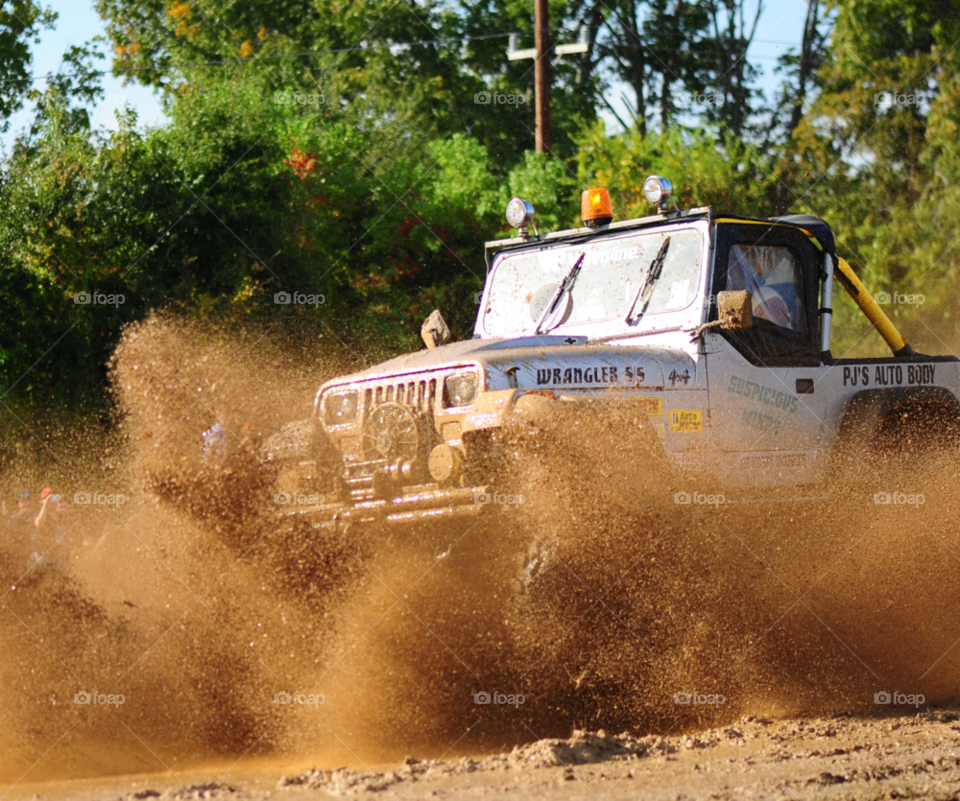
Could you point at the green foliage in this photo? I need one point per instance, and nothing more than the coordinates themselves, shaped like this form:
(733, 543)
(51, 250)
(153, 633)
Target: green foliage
(20, 23)
(371, 177)
(546, 184)
(237, 199)
(399, 64)
(874, 156)
(706, 170)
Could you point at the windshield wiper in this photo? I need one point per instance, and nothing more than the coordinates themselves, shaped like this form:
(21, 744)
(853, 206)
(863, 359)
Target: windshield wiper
(645, 292)
(566, 286)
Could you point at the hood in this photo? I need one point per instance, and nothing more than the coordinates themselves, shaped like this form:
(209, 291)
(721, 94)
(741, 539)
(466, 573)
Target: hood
(546, 362)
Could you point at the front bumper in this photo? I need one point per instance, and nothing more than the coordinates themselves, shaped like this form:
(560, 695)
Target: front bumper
(415, 504)
(378, 491)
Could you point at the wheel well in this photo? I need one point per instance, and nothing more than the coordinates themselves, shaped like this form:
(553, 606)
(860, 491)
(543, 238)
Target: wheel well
(887, 420)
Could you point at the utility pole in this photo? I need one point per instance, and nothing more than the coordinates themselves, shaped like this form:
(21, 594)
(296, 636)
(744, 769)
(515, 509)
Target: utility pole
(542, 75)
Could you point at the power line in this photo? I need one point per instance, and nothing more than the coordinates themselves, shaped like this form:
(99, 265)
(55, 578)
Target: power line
(355, 49)
(228, 61)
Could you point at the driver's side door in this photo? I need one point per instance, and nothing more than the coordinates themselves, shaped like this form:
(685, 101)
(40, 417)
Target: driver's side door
(765, 402)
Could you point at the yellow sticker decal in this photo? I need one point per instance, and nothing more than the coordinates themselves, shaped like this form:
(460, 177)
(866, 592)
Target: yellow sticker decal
(661, 429)
(686, 422)
(653, 407)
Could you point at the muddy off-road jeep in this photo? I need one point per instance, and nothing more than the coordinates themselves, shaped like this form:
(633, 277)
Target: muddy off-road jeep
(716, 329)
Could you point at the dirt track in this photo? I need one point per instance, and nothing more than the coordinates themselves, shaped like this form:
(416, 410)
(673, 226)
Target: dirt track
(836, 757)
(893, 756)
(191, 601)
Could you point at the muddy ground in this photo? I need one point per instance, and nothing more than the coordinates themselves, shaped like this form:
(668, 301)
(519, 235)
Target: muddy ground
(189, 641)
(840, 757)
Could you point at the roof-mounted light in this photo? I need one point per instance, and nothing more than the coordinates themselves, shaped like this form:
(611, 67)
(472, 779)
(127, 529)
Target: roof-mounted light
(595, 208)
(520, 215)
(658, 191)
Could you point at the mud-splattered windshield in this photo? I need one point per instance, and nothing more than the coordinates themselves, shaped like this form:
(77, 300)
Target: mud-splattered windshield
(523, 284)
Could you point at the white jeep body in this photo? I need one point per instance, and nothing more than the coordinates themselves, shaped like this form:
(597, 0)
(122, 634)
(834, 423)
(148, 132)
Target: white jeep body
(765, 407)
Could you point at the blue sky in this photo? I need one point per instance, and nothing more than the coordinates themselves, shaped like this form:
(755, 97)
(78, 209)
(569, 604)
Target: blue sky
(780, 28)
(78, 23)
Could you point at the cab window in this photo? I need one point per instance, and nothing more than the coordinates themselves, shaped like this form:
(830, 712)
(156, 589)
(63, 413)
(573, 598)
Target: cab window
(772, 275)
(779, 267)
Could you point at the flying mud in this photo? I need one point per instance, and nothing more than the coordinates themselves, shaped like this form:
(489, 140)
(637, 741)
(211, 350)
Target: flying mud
(593, 601)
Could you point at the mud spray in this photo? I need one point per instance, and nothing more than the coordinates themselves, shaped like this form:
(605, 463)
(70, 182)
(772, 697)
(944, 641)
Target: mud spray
(598, 602)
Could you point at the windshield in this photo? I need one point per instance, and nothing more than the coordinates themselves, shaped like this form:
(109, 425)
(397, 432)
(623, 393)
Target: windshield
(523, 284)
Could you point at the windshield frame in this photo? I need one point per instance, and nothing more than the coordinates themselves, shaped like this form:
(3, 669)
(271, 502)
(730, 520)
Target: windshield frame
(651, 322)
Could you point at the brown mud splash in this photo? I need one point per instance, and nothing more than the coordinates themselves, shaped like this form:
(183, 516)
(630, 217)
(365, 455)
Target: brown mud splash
(598, 600)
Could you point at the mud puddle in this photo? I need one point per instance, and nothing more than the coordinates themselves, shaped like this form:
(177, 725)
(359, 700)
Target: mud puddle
(841, 756)
(237, 639)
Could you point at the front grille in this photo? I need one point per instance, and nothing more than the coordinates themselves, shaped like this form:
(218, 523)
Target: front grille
(418, 395)
(385, 450)
(383, 436)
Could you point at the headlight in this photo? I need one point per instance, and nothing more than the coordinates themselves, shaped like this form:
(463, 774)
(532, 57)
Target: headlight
(519, 213)
(657, 190)
(341, 408)
(459, 390)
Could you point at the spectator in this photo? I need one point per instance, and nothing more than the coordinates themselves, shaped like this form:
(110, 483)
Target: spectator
(22, 531)
(52, 523)
(21, 522)
(214, 443)
(70, 522)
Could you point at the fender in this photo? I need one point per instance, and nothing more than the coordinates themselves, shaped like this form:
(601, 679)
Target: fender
(865, 412)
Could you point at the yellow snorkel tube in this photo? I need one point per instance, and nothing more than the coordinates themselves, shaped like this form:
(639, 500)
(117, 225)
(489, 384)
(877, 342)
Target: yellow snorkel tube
(856, 290)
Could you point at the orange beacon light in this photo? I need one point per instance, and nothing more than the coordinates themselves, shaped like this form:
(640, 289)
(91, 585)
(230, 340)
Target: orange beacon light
(595, 208)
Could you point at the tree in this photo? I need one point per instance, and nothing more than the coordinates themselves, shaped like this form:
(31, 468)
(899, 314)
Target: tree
(682, 58)
(397, 65)
(706, 170)
(729, 71)
(865, 155)
(801, 71)
(237, 199)
(20, 23)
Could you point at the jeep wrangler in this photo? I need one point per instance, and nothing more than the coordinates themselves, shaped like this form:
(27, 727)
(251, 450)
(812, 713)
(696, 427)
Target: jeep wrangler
(714, 328)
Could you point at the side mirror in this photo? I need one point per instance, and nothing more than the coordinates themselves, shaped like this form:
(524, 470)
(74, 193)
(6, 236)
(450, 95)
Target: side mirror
(435, 331)
(735, 310)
